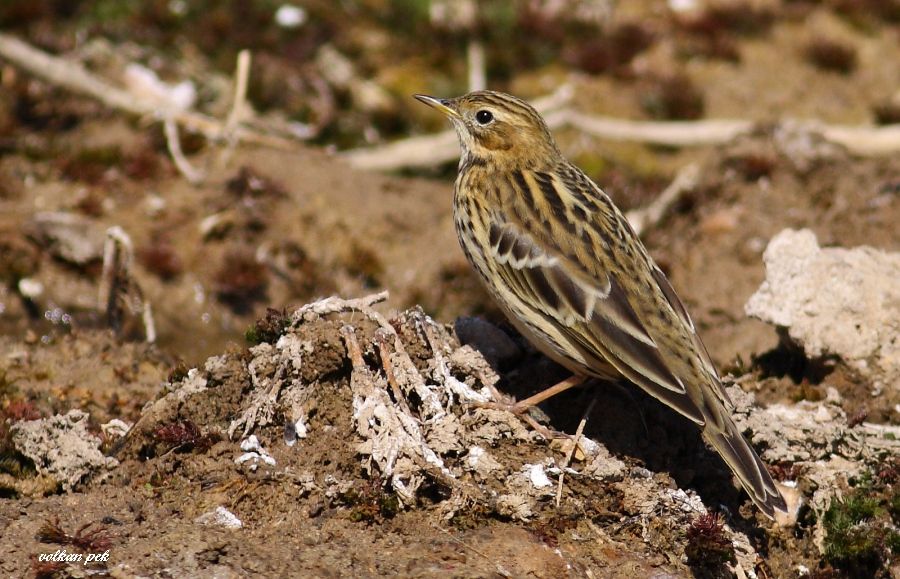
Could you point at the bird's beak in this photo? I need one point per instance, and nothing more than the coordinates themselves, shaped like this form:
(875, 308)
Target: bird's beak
(443, 105)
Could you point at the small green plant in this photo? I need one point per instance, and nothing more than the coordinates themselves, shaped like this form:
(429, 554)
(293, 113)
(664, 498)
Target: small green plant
(268, 328)
(861, 537)
(370, 502)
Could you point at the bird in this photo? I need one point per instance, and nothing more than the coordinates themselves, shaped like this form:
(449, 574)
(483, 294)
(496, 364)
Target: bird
(572, 276)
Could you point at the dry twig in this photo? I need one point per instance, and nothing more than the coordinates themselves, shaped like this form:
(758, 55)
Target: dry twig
(173, 143)
(119, 294)
(578, 432)
(242, 79)
(430, 150)
(649, 216)
(72, 76)
(477, 67)
(425, 151)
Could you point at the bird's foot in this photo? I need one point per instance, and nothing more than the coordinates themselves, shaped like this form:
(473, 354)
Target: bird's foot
(522, 407)
(523, 411)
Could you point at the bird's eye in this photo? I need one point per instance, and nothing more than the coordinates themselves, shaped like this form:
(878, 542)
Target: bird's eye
(484, 117)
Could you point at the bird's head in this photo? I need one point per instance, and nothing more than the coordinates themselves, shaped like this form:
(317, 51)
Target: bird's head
(498, 128)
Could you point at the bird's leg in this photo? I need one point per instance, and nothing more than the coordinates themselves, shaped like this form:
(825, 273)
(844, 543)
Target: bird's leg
(522, 406)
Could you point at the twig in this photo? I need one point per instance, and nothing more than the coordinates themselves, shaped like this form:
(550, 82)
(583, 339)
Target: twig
(452, 384)
(399, 397)
(335, 305)
(353, 349)
(391, 433)
(149, 323)
(865, 141)
(430, 150)
(118, 291)
(339, 71)
(404, 372)
(668, 133)
(242, 76)
(477, 73)
(173, 143)
(72, 76)
(649, 216)
(117, 255)
(409, 377)
(571, 453)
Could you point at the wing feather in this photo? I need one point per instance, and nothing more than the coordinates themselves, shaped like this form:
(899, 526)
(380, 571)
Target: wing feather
(594, 314)
(663, 282)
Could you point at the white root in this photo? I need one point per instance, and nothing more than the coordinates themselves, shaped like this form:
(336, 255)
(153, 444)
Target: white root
(72, 76)
(648, 217)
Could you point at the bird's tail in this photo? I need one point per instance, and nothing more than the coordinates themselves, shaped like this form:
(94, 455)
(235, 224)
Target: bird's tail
(745, 464)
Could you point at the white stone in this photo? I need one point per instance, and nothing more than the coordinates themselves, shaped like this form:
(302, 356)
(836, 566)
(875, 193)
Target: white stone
(834, 301)
(220, 516)
(290, 16)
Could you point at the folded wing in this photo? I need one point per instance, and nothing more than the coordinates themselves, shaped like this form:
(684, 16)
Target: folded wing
(592, 312)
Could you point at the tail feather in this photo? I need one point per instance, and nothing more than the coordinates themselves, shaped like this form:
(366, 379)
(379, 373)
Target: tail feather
(746, 466)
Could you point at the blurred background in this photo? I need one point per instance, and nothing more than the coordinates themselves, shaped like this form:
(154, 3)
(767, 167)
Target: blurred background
(176, 176)
(260, 226)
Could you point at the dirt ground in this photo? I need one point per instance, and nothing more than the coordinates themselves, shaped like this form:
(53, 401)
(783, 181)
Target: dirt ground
(276, 229)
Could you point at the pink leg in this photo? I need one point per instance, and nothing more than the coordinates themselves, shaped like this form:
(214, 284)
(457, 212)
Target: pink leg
(522, 406)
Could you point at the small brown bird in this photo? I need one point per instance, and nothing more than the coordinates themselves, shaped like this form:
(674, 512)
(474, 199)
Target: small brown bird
(570, 273)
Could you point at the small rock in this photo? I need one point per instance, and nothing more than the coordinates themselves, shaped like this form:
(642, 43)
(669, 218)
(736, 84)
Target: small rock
(61, 447)
(290, 16)
(71, 238)
(30, 288)
(221, 517)
(253, 451)
(837, 301)
(116, 428)
(537, 475)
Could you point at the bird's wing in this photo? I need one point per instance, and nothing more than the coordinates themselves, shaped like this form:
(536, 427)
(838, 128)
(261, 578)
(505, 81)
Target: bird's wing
(592, 312)
(572, 256)
(675, 302)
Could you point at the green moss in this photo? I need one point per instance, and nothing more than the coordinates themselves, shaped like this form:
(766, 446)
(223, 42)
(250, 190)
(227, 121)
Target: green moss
(389, 505)
(849, 541)
(251, 336)
(178, 373)
(472, 517)
(893, 506)
(860, 534)
(369, 502)
(592, 164)
(17, 465)
(892, 542)
(108, 11)
(268, 328)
